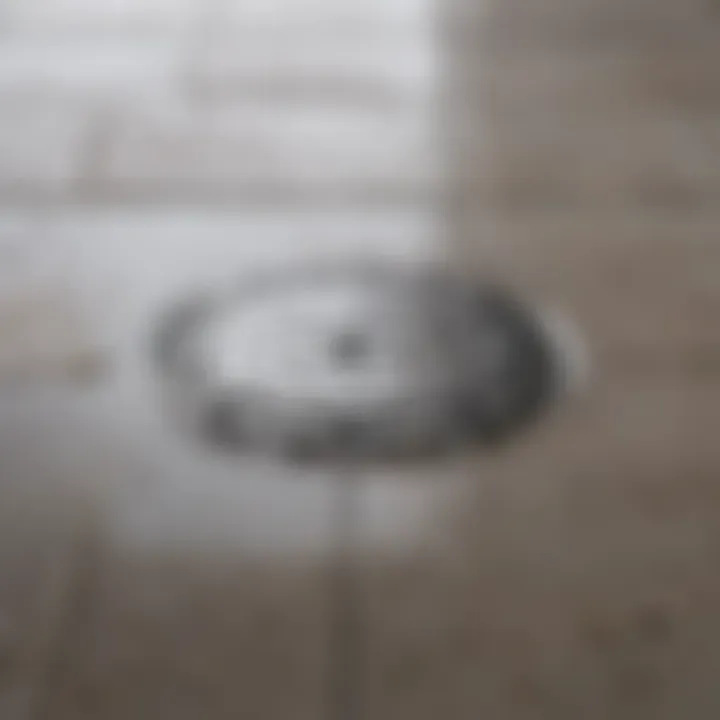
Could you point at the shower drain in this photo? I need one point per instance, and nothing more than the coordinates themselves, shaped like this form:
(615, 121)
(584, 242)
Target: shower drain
(350, 361)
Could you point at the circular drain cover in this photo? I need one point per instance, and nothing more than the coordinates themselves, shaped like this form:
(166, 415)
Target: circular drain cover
(355, 362)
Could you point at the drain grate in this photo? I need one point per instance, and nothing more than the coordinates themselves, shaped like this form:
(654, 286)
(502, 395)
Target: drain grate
(347, 361)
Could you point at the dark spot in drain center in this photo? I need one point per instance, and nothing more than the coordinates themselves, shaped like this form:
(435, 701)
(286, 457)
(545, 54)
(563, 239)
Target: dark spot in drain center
(223, 423)
(350, 349)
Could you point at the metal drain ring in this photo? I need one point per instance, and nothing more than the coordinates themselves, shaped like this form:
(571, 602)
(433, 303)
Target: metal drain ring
(460, 405)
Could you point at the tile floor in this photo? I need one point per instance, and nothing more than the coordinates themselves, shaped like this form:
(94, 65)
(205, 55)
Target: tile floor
(569, 146)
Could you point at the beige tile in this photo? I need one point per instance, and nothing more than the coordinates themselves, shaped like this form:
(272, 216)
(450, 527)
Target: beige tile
(95, 625)
(86, 17)
(45, 332)
(184, 637)
(579, 582)
(207, 592)
(608, 26)
(40, 145)
(275, 149)
(341, 68)
(76, 70)
(44, 520)
(343, 51)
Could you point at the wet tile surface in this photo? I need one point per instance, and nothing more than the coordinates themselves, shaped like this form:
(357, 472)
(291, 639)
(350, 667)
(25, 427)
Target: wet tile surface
(580, 580)
(165, 146)
(572, 575)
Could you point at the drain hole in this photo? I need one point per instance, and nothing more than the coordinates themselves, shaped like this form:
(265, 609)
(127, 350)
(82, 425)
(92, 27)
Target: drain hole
(350, 349)
(223, 423)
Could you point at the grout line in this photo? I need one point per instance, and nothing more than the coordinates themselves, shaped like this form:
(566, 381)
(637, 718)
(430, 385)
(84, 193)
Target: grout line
(94, 152)
(223, 194)
(209, 19)
(62, 606)
(346, 637)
